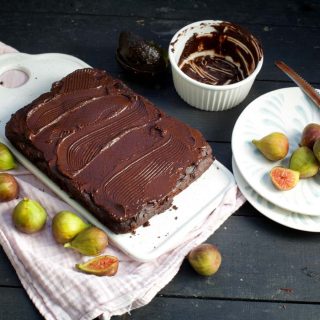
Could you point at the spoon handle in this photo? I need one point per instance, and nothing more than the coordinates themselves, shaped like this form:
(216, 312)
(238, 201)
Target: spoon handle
(303, 84)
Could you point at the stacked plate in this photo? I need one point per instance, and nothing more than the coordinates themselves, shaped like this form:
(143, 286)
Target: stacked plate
(286, 110)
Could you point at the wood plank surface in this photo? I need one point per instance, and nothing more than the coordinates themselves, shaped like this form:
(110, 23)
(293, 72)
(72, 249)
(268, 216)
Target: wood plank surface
(86, 39)
(16, 305)
(202, 309)
(268, 271)
(294, 12)
(262, 260)
(95, 39)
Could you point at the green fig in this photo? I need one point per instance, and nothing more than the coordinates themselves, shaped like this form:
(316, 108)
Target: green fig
(6, 158)
(89, 242)
(29, 216)
(205, 259)
(310, 134)
(274, 146)
(9, 187)
(316, 149)
(283, 178)
(100, 266)
(66, 225)
(304, 161)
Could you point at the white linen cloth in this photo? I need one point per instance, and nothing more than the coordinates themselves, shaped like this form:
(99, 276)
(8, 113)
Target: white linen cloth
(46, 269)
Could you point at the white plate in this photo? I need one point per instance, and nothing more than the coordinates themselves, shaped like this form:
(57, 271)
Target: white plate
(286, 110)
(167, 229)
(287, 218)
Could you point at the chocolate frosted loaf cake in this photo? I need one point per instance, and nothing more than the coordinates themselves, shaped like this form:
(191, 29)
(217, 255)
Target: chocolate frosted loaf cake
(111, 149)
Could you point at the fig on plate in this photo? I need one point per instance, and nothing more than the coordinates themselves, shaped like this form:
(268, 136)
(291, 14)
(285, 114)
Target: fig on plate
(66, 225)
(283, 178)
(9, 187)
(205, 259)
(89, 242)
(29, 216)
(310, 134)
(273, 146)
(316, 149)
(304, 161)
(100, 266)
(6, 158)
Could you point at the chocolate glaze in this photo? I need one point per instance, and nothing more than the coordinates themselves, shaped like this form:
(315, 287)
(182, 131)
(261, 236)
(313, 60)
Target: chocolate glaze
(110, 148)
(227, 55)
(212, 70)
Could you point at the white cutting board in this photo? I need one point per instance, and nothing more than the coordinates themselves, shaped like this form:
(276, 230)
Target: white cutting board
(166, 230)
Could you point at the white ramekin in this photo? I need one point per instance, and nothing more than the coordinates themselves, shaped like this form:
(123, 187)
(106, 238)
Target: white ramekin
(200, 95)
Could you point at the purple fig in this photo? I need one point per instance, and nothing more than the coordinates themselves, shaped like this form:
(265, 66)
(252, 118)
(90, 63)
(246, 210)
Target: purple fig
(9, 187)
(205, 259)
(316, 149)
(310, 134)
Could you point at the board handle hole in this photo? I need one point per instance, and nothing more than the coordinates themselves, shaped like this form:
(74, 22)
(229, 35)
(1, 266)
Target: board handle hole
(13, 78)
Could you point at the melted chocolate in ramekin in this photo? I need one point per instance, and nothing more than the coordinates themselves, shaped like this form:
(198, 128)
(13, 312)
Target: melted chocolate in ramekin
(227, 55)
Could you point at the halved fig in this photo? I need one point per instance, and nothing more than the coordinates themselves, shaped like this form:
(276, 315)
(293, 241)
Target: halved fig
(284, 178)
(100, 266)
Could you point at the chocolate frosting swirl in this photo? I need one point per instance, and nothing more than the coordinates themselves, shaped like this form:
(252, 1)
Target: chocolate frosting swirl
(111, 144)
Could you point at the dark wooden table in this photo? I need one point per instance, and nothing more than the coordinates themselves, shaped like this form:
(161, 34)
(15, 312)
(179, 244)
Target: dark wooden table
(268, 271)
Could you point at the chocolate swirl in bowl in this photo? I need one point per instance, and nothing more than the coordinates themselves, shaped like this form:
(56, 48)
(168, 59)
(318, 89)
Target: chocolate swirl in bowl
(224, 56)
